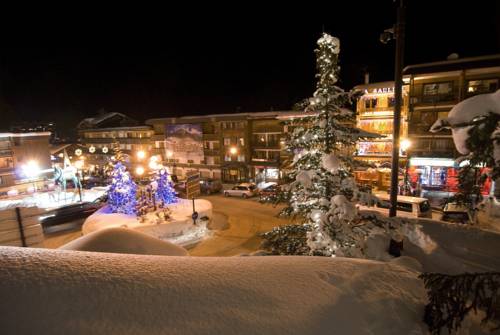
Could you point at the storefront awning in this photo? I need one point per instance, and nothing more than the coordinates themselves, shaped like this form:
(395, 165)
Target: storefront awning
(421, 161)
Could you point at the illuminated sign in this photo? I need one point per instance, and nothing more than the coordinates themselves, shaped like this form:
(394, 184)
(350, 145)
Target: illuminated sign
(382, 90)
(445, 162)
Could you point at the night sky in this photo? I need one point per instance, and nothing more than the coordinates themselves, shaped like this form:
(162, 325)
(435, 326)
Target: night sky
(161, 62)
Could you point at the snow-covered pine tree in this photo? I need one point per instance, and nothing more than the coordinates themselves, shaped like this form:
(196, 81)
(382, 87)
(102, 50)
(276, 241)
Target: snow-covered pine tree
(322, 191)
(475, 124)
(164, 192)
(122, 191)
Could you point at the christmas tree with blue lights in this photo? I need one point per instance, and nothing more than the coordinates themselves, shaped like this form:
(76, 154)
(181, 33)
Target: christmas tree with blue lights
(165, 192)
(122, 192)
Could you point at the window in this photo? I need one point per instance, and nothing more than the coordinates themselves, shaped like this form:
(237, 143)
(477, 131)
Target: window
(273, 139)
(273, 155)
(391, 101)
(241, 141)
(6, 162)
(482, 86)
(259, 155)
(383, 204)
(227, 141)
(371, 103)
(216, 160)
(443, 144)
(241, 158)
(209, 160)
(227, 158)
(206, 145)
(424, 207)
(438, 92)
(405, 207)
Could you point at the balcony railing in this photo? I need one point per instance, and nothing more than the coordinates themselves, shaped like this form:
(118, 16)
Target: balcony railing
(5, 152)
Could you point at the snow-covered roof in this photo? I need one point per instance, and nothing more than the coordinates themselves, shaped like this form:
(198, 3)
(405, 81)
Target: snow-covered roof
(269, 114)
(94, 122)
(453, 64)
(45, 133)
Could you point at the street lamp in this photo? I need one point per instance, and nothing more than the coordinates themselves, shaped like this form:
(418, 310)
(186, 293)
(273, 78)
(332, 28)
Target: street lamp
(31, 170)
(397, 32)
(141, 154)
(405, 145)
(139, 170)
(233, 150)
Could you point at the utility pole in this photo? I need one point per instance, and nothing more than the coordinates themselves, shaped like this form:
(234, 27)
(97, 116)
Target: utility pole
(399, 32)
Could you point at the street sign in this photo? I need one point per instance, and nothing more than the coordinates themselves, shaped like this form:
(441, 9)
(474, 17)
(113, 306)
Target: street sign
(192, 184)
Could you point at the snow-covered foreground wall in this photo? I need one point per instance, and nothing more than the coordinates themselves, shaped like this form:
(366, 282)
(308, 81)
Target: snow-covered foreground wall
(69, 292)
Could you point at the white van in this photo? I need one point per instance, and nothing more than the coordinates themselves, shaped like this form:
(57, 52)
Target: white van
(406, 206)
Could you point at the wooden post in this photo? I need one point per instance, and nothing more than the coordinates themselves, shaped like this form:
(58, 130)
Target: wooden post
(21, 228)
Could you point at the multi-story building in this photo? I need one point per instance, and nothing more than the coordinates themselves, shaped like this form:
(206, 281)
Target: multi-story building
(24, 160)
(375, 114)
(33, 126)
(434, 89)
(232, 147)
(99, 136)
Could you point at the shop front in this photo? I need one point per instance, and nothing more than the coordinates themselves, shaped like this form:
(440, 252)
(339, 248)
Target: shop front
(234, 173)
(266, 174)
(437, 174)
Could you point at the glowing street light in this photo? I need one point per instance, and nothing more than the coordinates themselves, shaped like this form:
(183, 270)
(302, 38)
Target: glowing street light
(141, 154)
(79, 164)
(153, 163)
(139, 170)
(405, 144)
(233, 151)
(31, 169)
(169, 153)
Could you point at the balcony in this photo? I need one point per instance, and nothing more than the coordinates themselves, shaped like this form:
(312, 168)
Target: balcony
(434, 99)
(266, 145)
(122, 140)
(434, 146)
(6, 153)
(211, 152)
(208, 137)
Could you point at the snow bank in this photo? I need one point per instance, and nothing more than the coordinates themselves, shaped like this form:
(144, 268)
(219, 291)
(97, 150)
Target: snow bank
(124, 241)
(65, 292)
(438, 246)
(180, 222)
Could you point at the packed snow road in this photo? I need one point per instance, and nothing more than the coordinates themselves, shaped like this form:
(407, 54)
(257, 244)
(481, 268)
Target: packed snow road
(247, 218)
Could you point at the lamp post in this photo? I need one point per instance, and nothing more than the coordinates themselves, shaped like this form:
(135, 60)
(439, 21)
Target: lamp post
(398, 32)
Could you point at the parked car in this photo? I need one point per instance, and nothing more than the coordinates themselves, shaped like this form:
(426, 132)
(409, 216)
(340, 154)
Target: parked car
(210, 186)
(269, 191)
(406, 206)
(92, 181)
(244, 190)
(71, 212)
(453, 212)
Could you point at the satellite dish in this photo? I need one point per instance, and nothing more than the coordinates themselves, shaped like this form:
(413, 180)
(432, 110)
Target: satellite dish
(453, 56)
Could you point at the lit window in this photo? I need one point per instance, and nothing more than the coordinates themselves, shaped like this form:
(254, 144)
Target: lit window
(482, 86)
